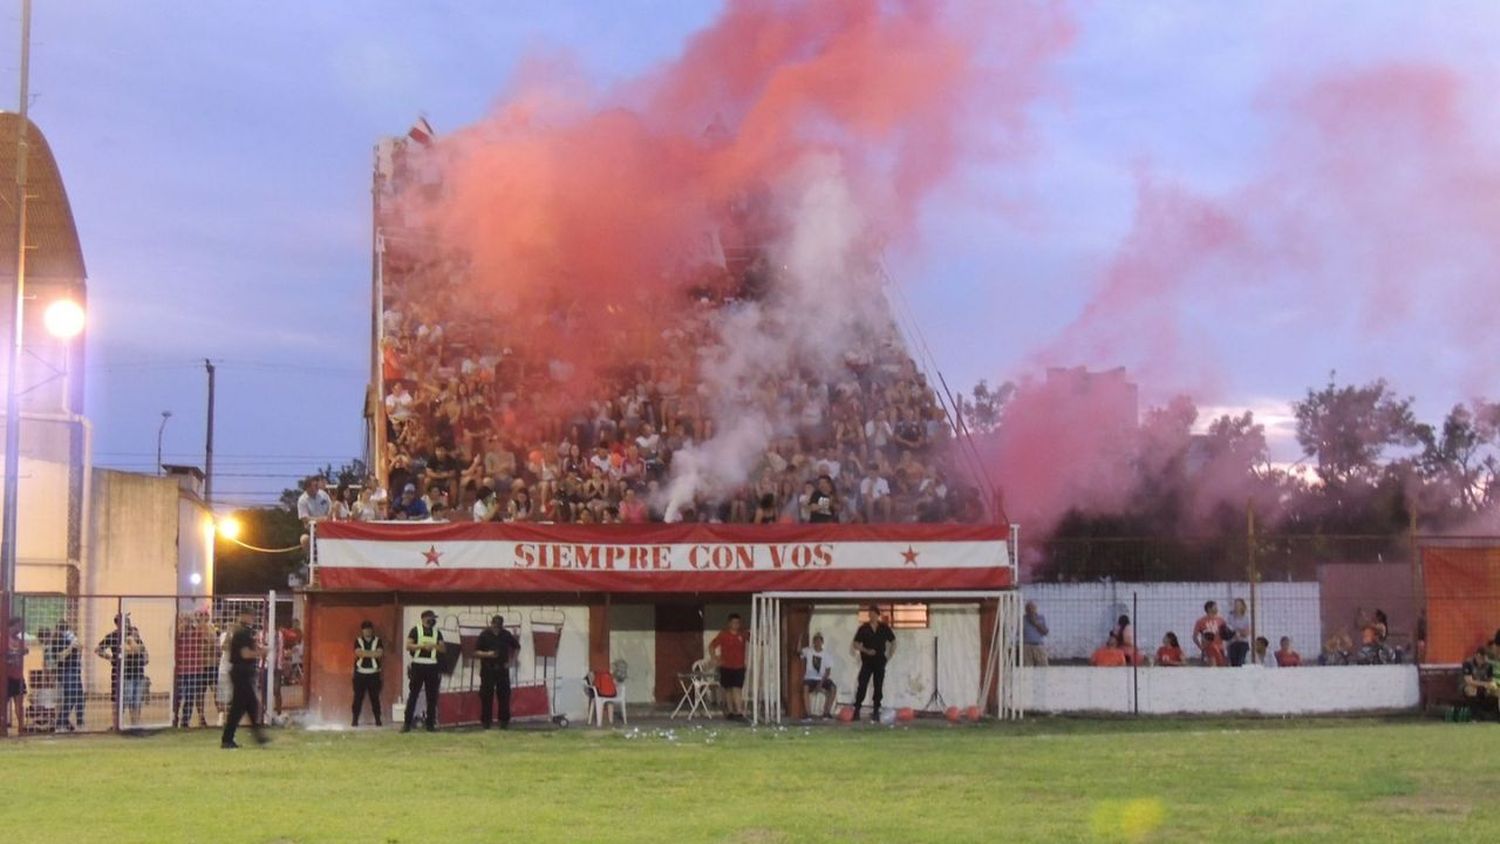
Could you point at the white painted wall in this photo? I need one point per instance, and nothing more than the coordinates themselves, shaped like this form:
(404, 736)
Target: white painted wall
(1080, 615)
(572, 658)
(632, 637)
(908, 677)
(1264, 691)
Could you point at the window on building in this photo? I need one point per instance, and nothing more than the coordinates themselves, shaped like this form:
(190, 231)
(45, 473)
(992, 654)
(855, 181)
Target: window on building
(900, 616)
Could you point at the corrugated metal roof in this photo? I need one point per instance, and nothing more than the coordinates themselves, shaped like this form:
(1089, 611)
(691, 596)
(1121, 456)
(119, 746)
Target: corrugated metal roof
(53, 239)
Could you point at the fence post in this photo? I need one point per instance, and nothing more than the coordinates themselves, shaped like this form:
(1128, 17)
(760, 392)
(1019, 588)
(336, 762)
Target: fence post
(117, 668)
(1135, 659)
(273, 652)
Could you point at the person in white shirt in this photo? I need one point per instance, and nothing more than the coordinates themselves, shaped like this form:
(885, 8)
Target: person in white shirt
(488, 505)
(1263, 655)
(817, 676)
(314, 504)
(875, 496)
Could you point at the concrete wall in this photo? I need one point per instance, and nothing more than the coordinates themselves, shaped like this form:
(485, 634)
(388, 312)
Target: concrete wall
(1265, 691)
(632, 637)
(1080, 615)
(42, 526)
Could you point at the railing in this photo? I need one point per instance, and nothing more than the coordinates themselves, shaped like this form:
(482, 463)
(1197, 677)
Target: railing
(159, 666)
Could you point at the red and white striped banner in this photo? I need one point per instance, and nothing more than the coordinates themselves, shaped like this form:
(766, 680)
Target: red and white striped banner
(660, 558)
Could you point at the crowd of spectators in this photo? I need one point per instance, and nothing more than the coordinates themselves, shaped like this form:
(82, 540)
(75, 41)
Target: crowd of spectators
(484, 422)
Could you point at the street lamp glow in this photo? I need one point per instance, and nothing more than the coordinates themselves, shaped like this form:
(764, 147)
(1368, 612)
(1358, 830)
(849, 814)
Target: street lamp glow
(229, 528)
(64, 319)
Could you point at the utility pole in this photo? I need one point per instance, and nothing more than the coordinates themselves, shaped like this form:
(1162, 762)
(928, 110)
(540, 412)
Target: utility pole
(12, 368)
(208, 456)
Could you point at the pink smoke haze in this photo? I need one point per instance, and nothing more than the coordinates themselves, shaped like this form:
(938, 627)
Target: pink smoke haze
(1377, 210)
(603, 204)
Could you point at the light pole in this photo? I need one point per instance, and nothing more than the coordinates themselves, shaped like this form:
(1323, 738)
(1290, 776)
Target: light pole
(160, 430)
(12, 368)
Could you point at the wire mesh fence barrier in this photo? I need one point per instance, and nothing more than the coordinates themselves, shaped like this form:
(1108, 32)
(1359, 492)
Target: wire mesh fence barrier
(1215, 624)
(96, 663)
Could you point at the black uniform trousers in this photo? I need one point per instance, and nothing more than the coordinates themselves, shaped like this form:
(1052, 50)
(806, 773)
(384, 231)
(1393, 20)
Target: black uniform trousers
(870, 668)
(424, 679)
(492, 681)
(366, 685)
(242, 703)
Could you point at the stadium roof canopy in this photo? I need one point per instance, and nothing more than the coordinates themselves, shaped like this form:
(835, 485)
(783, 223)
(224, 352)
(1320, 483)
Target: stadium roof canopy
(55, 253)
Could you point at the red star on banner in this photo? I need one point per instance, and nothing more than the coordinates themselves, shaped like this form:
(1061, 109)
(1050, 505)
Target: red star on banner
(433, 555)
(910, 556)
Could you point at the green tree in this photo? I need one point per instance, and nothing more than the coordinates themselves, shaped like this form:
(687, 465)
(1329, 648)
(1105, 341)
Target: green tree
(1348, 429)
(1461, 459)
(239, 570)
(984, 407)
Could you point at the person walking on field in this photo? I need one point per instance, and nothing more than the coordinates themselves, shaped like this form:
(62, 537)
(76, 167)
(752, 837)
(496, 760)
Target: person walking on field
(876, 644)
(368, 653)
(425, 675)
(497, 649)
(245, 653)
(728, 650)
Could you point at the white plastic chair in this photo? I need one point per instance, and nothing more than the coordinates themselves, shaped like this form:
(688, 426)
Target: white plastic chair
(596, 708)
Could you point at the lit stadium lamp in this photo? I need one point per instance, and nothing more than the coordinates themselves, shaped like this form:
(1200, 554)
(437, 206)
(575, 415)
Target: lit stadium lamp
(64, 319)
(230, 528)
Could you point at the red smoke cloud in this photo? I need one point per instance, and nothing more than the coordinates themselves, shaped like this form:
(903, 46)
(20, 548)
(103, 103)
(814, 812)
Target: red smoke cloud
(1377, 209)
(579, 210)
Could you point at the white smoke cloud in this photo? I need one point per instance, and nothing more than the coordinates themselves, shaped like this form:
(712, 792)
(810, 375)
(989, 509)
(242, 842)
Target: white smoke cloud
(823, 301)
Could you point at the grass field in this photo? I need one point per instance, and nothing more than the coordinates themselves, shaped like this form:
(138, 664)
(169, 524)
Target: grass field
(1046, 779)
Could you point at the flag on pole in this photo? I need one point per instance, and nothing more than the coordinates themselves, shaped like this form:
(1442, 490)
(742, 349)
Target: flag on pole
(421, 132)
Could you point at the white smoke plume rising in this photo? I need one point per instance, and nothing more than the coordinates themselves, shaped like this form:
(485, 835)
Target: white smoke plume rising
(823, 302)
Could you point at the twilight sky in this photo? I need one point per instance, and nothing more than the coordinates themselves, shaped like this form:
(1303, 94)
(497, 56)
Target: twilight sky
(217, 156)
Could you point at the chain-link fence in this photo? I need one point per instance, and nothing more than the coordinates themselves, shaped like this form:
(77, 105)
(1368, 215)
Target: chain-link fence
(97, 663)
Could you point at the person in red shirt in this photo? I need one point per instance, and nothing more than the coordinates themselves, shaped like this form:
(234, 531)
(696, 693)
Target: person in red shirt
(1211, 624)
(1286, 657)
(1213, 651)
(1109, 656)
(728, 650)
(1170, 652)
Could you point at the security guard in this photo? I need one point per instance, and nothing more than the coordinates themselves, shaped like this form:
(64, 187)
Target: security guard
(245, 653)
(496, 649)
(368, 652)
(422, 644)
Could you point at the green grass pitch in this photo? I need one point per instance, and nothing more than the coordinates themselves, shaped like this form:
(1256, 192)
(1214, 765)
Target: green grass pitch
(1043, 780)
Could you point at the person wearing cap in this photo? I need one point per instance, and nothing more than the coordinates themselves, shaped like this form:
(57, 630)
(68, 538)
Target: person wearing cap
(410, 506)
(817, 676)
(368, 652)
(422, 645)
(497, 649)
(245, 653)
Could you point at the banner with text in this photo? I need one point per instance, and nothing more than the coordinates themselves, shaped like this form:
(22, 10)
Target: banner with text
(659, 558)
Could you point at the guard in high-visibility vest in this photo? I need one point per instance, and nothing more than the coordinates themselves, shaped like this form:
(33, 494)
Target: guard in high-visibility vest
(368, 653)
(422, 646)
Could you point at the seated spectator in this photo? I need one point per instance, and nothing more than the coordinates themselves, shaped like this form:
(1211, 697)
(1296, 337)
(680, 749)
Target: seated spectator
(875, 496)
(1479, 683)
(1124, 634)
(1263, 655)
(1213, 651)
(410, 506)
(765, 510)
(1285, 656)
(632, 509)
(1111, 655)
(486, 506)
(822, 505)
(1336, 650)
(1170, 652)
(817, 676)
